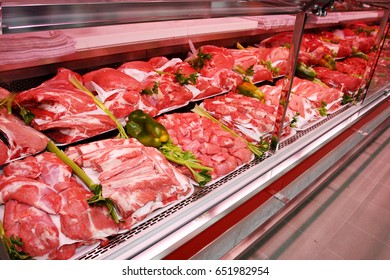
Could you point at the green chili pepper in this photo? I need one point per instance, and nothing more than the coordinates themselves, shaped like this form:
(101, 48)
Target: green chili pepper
(146, 129)
(328, 62)
(133, 129)
(148, 140)
(305, 72)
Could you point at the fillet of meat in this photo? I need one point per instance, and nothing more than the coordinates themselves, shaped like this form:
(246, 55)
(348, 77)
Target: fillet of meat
(136, 178)
(39, 234)
(81, 222)
(119, 92)
(247, 116)
(77, 127)
(17, 139)
(31, 192)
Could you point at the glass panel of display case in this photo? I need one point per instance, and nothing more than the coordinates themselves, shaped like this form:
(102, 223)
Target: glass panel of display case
(24, 16)
(337, 53)
(378, 82)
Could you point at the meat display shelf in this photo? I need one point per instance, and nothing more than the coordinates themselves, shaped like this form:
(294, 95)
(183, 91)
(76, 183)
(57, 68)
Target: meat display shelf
(218, 217)
(211, 207)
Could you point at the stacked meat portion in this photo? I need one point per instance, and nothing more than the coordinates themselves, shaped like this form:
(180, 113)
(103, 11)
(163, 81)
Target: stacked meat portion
(63, 112)
(136, 178)
(309, 101)
(16, 138)
(249, 117)
(48, 208)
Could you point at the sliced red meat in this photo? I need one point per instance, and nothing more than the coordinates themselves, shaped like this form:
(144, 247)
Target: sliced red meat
(81, 222)
(77, 127)
(21, 140)
(136, 178)
(261, 73)
(28, 167)
(31, 192)
(279, 39)
(121, 92)
(244, 58)
(53, 171)
(247, 116)
(62, 80)
(207, 87)
(139, 70)
(352, 65)
(271, 94)
(158, 61)
(348, 84)
(110, 79)
(4, 153)
(143, 66)
(220, 59)
(169, 93)
(227, 79)
(84, 154)
(277, 57)
(34, 227)
(54, 103)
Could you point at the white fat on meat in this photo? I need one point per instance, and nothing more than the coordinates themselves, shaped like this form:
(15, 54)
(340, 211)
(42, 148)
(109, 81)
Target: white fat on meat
(102, 94)
(136, 178)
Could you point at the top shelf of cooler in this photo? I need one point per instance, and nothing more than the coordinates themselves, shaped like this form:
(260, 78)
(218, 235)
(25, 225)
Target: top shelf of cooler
(19, 16)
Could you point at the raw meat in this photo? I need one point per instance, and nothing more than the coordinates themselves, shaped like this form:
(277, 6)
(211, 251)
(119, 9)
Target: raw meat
(119, 92)
(248, 116)
(212, 145)
(31, 192)
(169, 94)
(60, 207)
(39, 234)
(220, 59)
(4, 93)
(79, 221)
(276, 57)
(45, 167)
(27, 167)
(77, 127)
(17, 139)
(136, 178)
(53, 171)
(139, 70)
(317, 94)
(65, 113)
(348, 84)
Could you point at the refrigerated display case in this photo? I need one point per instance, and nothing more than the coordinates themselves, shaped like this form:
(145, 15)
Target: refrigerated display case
(213, 221)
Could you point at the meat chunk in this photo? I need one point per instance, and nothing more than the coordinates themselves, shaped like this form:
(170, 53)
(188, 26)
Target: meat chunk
(17, 139)
(79, 221)
(30, 192)
(247, 116)
(214, 145)
(136, 178)
(36, 229)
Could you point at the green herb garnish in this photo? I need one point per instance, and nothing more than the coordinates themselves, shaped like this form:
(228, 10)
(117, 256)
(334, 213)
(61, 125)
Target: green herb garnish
(200, 60)
(176, 155)
(12, 244)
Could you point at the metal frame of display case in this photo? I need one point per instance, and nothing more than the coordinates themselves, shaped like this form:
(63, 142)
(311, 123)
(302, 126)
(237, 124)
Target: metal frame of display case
(217, 218)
